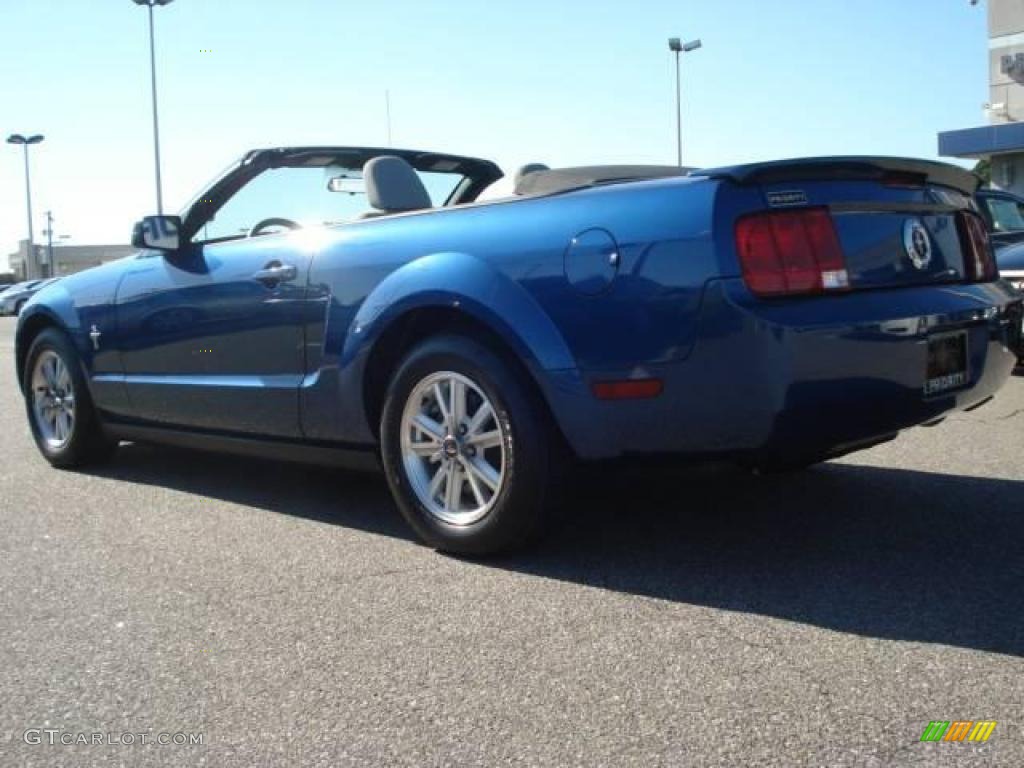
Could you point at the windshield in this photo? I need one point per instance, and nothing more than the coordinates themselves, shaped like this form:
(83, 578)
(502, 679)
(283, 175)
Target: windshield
(305, 196)
(229, 168)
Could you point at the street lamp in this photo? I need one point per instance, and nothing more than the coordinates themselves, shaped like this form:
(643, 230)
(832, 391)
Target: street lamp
(50, 263)
(678, 47)
(17, 138)
(152, 66)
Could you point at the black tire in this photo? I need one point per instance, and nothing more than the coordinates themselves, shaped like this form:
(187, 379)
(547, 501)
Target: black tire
(518, 513)
(87, 444)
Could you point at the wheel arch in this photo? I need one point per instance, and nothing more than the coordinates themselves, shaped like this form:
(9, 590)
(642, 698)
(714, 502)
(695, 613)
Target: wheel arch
(29, 328)
(449, 292)
(416, 325)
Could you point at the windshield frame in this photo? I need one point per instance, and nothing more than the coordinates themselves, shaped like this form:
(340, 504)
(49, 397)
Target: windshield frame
(478, 174)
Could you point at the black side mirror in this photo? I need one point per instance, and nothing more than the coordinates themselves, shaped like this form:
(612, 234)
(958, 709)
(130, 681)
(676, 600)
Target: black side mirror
(159, 232)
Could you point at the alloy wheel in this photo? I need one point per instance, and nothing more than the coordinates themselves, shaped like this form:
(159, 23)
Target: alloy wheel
(453, 448)
(53, 399)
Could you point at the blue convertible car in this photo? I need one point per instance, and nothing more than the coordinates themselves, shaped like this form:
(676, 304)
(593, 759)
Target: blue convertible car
(339, 304)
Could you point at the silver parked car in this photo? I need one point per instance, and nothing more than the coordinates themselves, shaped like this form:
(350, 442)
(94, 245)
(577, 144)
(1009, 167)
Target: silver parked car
(14, 298)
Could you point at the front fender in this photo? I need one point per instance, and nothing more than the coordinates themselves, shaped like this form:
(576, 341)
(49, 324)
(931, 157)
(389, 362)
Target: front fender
(51, 307)
(75, 304)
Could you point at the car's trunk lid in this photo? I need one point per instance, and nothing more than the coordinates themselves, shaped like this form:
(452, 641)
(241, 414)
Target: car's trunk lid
(897, 220)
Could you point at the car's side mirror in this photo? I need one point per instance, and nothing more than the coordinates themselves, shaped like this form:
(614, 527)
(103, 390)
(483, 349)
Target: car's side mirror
(159, 232)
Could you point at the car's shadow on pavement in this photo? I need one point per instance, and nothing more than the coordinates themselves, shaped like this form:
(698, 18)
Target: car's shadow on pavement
(878, 552)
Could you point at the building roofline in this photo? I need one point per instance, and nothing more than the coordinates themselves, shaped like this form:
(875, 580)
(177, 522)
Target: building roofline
(983, 141)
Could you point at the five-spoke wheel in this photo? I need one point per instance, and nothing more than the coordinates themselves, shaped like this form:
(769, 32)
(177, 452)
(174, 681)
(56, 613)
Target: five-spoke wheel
(465, 447)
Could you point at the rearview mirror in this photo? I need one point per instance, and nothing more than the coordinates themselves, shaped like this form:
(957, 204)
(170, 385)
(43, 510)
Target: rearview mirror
(347, 184)
(159, 232)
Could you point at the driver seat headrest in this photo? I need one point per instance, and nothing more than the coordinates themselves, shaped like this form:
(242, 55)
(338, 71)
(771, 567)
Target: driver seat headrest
(393, 186)
(526, 170)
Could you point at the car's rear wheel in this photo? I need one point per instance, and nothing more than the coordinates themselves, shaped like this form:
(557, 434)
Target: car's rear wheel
(60, 411)
(465, 448)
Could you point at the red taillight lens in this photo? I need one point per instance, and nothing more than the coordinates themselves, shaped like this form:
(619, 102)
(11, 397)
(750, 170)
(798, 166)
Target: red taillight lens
(785, 253)
(979, 263)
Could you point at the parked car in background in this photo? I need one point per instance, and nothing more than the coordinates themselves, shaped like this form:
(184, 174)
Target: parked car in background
(1011, 268)
(342, 305)
(16, 296)
(4, 289)
(1011, 264)
(1003, 213)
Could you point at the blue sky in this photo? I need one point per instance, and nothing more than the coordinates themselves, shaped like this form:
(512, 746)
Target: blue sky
(558, 81)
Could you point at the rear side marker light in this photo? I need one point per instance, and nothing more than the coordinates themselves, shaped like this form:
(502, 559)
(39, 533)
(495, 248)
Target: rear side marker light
(979, 263)
(627, 389)
(790, 253)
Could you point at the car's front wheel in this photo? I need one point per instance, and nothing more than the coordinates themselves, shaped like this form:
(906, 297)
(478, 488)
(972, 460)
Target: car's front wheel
(465, 447)
(60, 411)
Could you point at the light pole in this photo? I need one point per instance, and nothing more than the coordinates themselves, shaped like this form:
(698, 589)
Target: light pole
(152, 68)
(678, 48)
(17, 138)
(50, 264)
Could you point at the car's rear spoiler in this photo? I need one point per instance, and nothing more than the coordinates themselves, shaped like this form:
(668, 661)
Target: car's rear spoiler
(847, 168)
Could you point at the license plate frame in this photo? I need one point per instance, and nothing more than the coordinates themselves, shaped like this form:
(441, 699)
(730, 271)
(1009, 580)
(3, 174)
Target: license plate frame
(946, 363)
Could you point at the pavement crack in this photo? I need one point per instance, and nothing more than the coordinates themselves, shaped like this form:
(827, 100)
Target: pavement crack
(967, 419)
(1010, 415)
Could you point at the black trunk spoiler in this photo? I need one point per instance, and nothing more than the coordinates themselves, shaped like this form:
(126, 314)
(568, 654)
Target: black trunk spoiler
(847, 169)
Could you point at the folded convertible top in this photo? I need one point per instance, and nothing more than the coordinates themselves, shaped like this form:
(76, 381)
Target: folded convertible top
(567, 179)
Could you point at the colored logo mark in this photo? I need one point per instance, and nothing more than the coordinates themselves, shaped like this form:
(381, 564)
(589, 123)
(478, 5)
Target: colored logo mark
(958, 730)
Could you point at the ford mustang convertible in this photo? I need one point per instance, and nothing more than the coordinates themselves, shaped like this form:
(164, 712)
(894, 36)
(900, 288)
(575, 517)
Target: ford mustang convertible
(356, 306)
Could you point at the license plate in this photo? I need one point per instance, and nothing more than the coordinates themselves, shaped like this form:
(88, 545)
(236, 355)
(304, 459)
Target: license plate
(947, 362)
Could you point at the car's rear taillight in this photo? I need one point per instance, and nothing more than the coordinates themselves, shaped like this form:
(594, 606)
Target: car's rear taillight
(979, 262)
(787, 253)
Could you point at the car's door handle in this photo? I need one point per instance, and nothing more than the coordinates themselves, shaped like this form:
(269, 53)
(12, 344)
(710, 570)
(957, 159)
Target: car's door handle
(275, 272)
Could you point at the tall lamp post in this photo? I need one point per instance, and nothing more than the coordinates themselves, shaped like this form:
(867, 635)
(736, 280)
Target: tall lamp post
(152, 67)
(17, 138)
(51, 265)
(678, 47)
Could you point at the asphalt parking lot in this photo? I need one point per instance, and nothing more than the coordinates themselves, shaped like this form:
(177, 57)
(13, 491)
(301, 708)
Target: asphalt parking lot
(691, 617)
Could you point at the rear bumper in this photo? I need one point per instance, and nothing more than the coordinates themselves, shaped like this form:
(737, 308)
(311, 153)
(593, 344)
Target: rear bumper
(794, 378)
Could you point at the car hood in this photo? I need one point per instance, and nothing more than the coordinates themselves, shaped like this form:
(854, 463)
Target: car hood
(107, 271)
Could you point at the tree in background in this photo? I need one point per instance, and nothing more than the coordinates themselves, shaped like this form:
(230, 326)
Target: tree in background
(983, 169)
